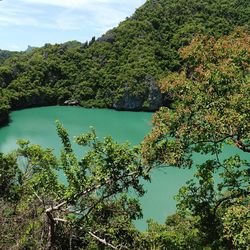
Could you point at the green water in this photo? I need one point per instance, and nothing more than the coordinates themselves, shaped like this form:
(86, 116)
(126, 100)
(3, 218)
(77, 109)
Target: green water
(38, 126)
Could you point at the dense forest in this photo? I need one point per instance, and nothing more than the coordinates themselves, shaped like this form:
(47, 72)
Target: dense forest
(120, 69)
(193, 56)
(92, 209)
(5, 54)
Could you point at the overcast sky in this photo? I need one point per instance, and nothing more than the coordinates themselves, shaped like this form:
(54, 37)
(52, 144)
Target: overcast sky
(36, 22)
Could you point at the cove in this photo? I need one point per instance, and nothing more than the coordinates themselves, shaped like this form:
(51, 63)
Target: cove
(38, 126)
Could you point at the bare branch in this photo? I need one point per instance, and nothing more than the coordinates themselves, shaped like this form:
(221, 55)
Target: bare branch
(91, 189)
(39, 198)
(56, 207)
(242, 146)
(103, 241)
(233, 196)
(59, 219)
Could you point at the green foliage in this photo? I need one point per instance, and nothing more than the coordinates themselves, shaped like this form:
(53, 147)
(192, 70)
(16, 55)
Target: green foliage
(177, 233)
(89, 206)
(236, 225)
(211, 105)
(120, 69)
(5, 54)
(4, 106)
(208, 85)
(210, 109)
(9, 177)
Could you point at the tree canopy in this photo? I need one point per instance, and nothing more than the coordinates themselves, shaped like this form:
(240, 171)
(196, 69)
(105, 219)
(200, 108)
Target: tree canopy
(211, 109)
(88, 209)
(206, 82)
(120, 69)
(92, 209)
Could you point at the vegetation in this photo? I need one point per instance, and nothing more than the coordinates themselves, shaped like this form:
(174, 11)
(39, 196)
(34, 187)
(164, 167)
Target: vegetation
(120, 69)
(91, 208)
(208, 84)
(211, 110)
(5, 54)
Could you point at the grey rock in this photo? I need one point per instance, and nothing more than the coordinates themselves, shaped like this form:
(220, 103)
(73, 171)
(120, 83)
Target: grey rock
(71, 103)
(149, 100)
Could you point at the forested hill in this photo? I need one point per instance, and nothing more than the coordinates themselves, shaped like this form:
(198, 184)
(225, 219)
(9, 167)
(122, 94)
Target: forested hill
(120, 69)
(5, 54)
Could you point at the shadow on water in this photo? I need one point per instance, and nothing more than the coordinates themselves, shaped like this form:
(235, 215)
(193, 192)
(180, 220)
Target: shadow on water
(6, 122)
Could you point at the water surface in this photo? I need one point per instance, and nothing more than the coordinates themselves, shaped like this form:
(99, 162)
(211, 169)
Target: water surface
(38, 126)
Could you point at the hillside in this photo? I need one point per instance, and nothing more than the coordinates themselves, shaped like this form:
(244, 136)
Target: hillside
(5, 54)
(120, 69)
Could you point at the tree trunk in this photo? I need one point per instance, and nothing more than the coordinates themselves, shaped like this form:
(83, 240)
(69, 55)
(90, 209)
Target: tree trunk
(51, 233)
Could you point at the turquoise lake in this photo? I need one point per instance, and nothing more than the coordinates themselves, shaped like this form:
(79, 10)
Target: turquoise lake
(38, 126)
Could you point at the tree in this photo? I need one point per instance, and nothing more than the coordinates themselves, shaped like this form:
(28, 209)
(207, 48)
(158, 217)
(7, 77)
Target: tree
(211, 108)
(8, 175)
(178, 233)
(4, 107)
(119, 69)
(89, 210)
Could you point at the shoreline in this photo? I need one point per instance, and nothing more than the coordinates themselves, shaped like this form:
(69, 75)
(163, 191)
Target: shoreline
(5, 121)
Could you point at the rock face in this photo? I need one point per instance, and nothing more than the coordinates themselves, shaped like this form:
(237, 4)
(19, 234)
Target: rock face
(154, 95)
(148, 100)
(109, 37)
(34, 100)
(128, 102)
